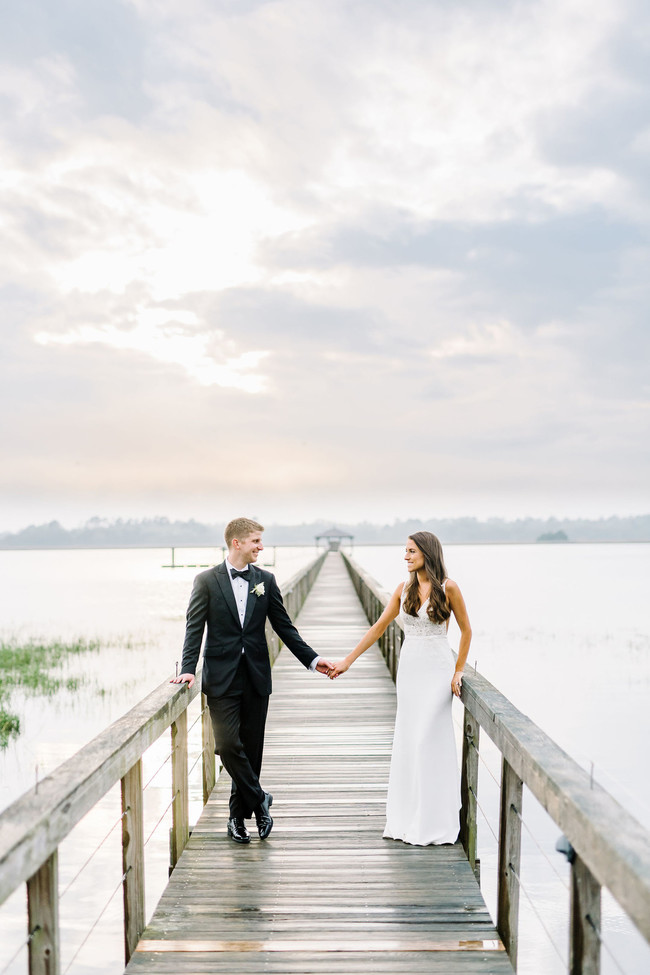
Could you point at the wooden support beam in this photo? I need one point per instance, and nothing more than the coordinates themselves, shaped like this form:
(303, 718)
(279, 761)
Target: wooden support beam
(133, 858)
(584, 942)
(180, 805)
(43, 918)
(469, 787)
(207, 741)
(509, 860)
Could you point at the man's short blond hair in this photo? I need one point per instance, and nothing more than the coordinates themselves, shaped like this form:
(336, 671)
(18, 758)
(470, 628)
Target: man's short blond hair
(241, 528)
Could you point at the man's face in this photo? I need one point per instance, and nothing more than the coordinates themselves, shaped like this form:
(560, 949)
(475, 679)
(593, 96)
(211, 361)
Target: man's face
(250, 547)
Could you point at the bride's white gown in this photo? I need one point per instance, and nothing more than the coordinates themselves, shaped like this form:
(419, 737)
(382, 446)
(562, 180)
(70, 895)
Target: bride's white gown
(423, 787)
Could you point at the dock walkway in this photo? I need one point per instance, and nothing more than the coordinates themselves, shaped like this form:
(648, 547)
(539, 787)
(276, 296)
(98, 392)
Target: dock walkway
(324, 893)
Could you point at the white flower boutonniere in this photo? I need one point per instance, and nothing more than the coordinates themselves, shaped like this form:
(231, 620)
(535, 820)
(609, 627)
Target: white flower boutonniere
(259, 589)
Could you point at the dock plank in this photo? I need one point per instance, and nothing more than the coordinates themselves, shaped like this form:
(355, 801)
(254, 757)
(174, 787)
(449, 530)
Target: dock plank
(325, 893)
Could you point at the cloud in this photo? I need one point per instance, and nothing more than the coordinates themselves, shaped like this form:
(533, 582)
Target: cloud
(101, 45)
(166, 341)
(362, 255)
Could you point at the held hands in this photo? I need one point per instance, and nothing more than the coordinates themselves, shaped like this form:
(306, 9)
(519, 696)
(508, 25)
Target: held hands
(338, 668)
(324, 666)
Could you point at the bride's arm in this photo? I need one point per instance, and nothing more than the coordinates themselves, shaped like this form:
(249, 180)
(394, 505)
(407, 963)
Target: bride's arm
(371, 636)
(458, 608)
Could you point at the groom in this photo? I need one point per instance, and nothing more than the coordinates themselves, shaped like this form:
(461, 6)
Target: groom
(235, 599)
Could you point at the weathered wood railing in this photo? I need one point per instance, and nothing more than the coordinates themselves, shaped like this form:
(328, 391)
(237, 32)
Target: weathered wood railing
(33, 827)
(607, 847)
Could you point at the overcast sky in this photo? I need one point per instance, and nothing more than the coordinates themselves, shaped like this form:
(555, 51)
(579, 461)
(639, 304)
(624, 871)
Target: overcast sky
(349, 259)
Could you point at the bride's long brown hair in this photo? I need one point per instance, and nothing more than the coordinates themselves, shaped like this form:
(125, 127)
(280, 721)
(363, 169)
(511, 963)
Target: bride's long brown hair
(434, 565)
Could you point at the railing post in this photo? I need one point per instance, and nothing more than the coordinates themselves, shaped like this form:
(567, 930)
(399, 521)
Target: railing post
(43, 918)
(207, 742)
(180, 806)
(584, 945)
(133, 858)
(509, 860)
(469, 787)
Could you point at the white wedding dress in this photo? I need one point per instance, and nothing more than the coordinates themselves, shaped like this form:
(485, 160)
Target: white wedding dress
(423, 787)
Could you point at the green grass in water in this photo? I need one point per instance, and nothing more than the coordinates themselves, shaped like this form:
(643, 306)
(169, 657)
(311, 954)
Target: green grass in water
(32, 666)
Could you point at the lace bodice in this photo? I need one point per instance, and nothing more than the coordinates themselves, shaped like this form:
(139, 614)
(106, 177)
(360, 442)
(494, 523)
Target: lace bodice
(420, 625)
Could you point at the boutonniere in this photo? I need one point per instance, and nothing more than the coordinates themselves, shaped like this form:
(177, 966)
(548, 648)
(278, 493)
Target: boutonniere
(259, 589)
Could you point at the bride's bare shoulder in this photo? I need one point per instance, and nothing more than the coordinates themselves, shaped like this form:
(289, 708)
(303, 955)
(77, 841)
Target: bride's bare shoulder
(452, 591)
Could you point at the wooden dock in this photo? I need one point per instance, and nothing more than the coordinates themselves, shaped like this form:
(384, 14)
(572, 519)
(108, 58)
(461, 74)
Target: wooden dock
(325, 893)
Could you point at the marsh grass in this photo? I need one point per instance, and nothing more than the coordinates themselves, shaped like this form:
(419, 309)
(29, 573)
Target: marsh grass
(36, 668)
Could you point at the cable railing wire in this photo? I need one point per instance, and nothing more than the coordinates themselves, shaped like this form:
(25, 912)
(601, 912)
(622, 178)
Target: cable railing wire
(21, 947)
(541, 850)
(196, 720)
(484, 814)
(548, 934)
(478, 752)
(562, 880)
(157, 772)
(165, 811)
(521, 819)
(96, 922)
(603, 943)
(195, 763)
(169, 756)
(92, 855)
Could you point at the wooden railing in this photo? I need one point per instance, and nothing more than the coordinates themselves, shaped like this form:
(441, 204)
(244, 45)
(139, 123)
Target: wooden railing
(33, 827)
(606, 846)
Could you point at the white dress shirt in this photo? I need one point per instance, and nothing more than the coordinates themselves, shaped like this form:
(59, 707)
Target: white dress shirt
(240, 592)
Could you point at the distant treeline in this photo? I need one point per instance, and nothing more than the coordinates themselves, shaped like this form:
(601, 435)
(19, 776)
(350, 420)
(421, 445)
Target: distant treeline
(101, 533)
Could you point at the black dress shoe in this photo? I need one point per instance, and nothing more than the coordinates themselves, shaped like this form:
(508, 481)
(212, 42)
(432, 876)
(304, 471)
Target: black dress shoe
(263, 817)
(237, 831)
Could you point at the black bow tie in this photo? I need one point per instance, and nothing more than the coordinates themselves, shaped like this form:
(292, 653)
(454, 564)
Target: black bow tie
(240, 574)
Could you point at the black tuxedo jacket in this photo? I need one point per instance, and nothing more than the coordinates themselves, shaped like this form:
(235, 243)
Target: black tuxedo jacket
(212, 602)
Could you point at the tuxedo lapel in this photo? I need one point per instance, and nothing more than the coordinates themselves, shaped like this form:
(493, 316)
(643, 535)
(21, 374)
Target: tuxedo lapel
(226, 590)
(256, 577)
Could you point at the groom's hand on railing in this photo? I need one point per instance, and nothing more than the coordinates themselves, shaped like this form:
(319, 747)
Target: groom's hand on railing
(183, 679)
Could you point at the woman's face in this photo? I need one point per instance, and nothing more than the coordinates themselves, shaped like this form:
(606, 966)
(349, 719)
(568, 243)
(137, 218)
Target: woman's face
(413, 556)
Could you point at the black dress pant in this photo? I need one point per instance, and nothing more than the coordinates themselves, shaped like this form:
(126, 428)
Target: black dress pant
(238, 721)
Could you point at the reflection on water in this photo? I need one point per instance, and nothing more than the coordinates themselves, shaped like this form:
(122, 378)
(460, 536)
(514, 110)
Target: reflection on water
(563, 631)
(136, 609)
(127, 601)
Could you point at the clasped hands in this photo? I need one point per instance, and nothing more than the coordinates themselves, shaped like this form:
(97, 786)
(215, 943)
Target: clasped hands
(332, 670)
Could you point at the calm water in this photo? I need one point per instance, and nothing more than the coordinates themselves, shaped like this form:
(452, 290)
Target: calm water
(563, 631)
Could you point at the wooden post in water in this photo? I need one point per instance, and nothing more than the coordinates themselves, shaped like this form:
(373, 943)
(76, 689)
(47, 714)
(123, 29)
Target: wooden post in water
(469, 787)
(207, 741)
(43, 918)
(584, 946)
(180, 805)
(133, 858)
(509, 860)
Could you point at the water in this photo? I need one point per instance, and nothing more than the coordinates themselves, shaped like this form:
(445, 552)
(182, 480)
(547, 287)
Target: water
(563, 631)
(136, 608)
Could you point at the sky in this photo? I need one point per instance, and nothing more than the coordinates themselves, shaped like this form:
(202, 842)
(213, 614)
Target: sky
(372, 259)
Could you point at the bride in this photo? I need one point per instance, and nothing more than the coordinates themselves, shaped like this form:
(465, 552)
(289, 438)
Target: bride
(423, 787)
